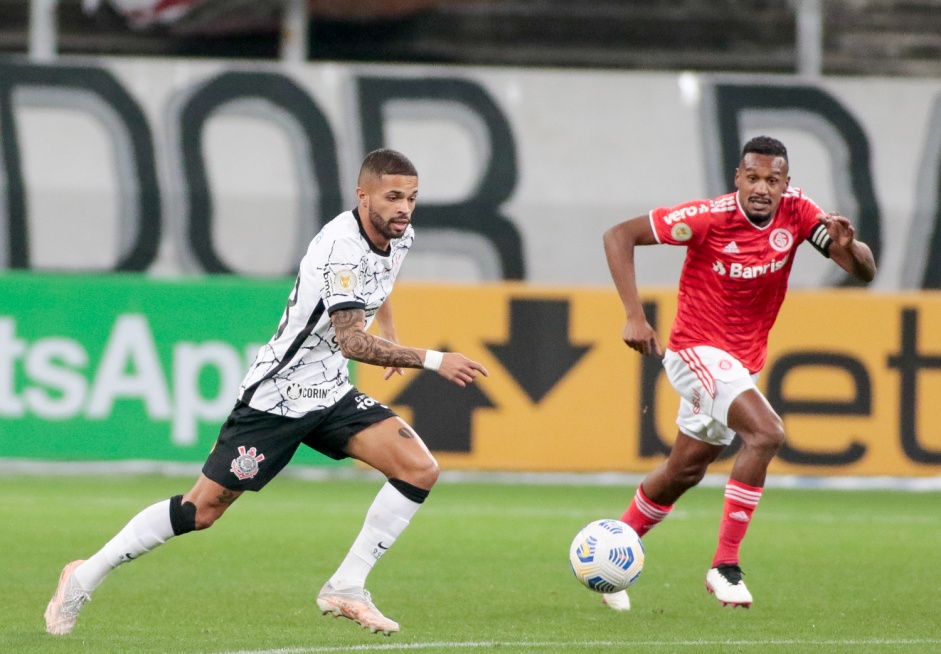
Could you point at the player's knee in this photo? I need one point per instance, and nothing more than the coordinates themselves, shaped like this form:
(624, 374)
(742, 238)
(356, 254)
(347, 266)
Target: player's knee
(204, 520)
(774, 439)
(207, 515)
(187, 516)
(426, 473)
(689, 473)
(422, 472)
(768, 439)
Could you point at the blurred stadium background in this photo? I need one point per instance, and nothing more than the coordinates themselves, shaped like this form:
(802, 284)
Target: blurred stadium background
(164, 164)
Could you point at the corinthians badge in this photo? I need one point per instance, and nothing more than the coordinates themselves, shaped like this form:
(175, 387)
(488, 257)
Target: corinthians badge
(245, 465)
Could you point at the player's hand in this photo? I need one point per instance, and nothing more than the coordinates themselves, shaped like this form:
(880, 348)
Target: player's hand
(641, 337)
(387, 375)
(839, 228)
(459, 369)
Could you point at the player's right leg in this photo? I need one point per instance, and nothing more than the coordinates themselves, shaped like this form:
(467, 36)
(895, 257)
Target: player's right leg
(655, 496)
(252, 448)
(149, 529)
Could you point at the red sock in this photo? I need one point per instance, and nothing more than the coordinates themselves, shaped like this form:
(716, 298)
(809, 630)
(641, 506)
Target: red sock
(643, 514)
(740, 502)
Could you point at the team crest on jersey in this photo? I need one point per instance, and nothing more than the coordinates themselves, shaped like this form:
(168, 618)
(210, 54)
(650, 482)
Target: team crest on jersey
(294, 391)
(344, 280)
(245, 465)
(781, 239)
(681, 232)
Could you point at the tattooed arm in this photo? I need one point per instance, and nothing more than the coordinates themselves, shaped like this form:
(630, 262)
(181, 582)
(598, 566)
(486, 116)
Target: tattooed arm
(358, 345)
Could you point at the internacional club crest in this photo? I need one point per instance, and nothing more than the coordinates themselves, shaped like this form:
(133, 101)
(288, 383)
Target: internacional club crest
(781, 240)
(245, 465)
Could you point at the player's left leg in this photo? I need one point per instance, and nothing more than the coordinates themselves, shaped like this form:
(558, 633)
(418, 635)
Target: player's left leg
(720, 399)
(393, 448)
(762, 434)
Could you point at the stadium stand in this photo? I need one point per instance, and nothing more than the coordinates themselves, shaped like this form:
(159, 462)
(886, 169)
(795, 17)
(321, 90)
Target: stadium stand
(861, 37)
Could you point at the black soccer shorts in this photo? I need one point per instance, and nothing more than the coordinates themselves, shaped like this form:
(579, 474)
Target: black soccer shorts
(254, 446)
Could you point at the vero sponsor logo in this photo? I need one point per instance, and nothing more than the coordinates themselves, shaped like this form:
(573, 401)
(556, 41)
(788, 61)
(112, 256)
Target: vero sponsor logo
(682, 213)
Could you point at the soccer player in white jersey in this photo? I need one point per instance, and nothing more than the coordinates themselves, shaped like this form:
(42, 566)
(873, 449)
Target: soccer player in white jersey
(740, 249)
(298, 392)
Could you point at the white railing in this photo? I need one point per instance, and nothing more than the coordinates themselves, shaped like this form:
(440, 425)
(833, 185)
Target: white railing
(43, 32)
(295, 24)
(809, 46)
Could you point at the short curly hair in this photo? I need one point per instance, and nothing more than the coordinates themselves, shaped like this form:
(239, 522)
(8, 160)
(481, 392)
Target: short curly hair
(765, 145)
(387, 162)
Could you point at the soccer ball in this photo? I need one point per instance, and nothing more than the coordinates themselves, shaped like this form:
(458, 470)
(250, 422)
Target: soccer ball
(607, 556)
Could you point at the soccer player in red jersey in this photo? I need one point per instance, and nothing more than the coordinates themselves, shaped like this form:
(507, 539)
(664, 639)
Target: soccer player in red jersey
(740, 249)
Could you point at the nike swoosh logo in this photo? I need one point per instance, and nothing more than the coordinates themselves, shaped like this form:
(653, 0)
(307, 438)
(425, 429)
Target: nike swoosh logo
(383, 547)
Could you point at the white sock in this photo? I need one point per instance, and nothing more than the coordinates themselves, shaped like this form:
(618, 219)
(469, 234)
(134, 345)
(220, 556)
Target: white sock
(147, 530)
(386, 519)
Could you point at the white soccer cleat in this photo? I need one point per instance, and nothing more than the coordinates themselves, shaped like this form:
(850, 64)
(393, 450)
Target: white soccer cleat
(618, 601)
(63, 608)
(355, 604)
(725, 581)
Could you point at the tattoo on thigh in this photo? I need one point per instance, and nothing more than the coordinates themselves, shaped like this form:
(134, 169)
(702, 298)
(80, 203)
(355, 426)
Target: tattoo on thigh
(227, 496)
(405, 432)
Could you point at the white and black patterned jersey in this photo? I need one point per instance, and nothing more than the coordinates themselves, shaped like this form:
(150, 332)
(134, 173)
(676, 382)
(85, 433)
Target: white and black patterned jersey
(301, 369)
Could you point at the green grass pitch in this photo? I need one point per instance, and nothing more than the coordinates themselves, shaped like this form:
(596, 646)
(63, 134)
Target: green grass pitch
(482, 568)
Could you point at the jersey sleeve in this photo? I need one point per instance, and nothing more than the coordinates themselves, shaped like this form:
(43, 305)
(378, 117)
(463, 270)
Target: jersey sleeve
(684, 224)
(812, 230)
(342, 278)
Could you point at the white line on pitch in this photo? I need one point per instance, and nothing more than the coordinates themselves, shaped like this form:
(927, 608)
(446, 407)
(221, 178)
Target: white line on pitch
(392, 647)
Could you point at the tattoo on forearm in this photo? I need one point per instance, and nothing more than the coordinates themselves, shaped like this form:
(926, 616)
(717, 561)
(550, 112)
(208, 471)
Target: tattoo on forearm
(361, 346)
(405, 432)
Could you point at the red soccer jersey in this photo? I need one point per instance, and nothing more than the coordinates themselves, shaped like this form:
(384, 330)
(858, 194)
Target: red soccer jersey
(735, 274)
